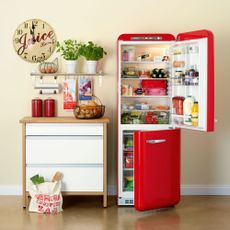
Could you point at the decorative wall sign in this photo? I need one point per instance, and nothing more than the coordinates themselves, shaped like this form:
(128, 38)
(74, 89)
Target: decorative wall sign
(34, 40)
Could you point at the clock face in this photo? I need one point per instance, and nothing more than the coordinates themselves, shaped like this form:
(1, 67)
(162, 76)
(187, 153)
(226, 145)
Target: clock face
(34, 40)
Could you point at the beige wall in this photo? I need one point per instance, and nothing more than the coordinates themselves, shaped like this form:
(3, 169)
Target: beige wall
(205, 157)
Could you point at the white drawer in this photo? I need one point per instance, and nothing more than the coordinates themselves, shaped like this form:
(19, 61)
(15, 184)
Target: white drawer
(64, 149)
(63, 129)
(75, 178)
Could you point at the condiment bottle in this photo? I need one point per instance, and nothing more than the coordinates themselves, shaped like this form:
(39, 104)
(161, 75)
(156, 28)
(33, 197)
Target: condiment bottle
(195, 111)
(130, 90)
(187, 107)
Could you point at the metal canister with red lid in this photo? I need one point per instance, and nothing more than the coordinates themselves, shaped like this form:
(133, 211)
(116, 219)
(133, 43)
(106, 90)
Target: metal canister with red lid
(49, 107)
(36, 107)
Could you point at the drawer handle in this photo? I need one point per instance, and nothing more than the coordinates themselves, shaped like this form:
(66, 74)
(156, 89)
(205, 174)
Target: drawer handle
(155, 141)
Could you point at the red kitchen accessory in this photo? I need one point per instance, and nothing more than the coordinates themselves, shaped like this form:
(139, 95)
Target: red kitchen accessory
(154, 84)
(49, 107)
(154, 87)
(37, 107)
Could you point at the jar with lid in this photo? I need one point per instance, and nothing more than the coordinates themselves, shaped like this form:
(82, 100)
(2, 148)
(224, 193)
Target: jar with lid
(49, 107)
(37, 107)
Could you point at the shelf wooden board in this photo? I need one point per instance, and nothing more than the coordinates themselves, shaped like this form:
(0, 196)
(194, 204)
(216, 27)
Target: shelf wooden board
(65, 74)
(62, 120)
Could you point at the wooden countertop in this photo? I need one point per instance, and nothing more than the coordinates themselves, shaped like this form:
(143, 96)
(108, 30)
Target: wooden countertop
(62, 120)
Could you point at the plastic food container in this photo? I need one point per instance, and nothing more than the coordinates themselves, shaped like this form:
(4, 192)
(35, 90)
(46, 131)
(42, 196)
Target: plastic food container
(154, 87)
(178, 105)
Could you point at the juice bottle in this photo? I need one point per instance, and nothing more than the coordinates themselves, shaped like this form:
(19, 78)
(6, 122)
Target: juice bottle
(187, 107)
(195, 111)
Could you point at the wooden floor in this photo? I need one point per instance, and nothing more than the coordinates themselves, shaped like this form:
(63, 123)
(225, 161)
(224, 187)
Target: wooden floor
(193, 212)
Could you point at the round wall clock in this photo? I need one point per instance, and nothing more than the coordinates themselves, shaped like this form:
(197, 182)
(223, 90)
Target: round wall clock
(34, 40)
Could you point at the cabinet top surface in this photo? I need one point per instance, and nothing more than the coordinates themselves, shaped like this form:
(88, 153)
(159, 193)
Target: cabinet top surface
(62, 120)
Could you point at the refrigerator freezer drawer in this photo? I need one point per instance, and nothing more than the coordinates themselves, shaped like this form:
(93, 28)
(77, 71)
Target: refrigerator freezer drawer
(75, 178)
(64, 149)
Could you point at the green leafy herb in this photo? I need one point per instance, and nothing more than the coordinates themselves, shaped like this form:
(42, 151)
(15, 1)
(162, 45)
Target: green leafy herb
(70, 50)
(92, 51)
(37, 179)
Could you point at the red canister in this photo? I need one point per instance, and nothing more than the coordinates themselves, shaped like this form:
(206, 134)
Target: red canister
(37, 107)
(49, 107)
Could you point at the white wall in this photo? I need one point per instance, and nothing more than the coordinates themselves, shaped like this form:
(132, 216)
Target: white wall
(205, 157)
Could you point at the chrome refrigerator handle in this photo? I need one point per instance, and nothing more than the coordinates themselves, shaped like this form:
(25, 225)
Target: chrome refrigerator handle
(155, 141)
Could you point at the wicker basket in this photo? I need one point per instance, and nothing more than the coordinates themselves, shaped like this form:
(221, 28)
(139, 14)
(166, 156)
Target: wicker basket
(89, 112)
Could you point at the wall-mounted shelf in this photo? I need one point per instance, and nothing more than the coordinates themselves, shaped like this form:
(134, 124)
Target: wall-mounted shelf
(56, 75)
(65, 74)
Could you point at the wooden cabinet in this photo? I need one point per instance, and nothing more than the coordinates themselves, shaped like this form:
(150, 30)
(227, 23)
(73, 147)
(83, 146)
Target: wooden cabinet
(77, 148)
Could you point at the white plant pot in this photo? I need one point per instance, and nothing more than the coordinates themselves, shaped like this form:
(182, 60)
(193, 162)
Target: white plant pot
(91, 67)
(71, 66)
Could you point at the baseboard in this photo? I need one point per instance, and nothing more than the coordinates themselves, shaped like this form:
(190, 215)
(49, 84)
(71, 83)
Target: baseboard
(192, 190)
(112, 190)
(205, 190)
(16, 190)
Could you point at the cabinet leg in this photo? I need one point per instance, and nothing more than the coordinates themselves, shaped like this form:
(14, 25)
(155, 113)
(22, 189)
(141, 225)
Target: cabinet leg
(24, 200)
(27, 200)
(105, 201)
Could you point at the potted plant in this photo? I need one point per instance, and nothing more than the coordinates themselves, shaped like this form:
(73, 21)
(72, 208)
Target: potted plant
(92, 54)
(70, 51)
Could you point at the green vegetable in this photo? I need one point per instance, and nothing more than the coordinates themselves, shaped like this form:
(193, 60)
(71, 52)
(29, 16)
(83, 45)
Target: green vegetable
(92, 52)
(70, 50)
(129, 186)
(37, 179)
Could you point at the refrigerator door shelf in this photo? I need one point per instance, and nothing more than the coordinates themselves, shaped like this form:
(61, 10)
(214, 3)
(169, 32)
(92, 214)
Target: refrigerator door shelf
(195, 49)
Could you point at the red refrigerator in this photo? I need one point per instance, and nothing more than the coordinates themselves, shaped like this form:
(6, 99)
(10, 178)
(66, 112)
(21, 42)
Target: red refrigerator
(165, 83)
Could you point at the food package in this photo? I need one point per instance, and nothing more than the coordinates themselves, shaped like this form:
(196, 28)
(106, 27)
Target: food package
(85, 91)
(69, 91)
(178, 64)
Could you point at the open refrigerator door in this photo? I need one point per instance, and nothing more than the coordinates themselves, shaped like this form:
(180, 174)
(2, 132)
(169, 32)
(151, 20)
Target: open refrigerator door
(193, 81)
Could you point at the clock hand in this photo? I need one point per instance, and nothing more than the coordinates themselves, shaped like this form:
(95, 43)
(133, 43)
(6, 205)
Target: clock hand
(32, 32)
